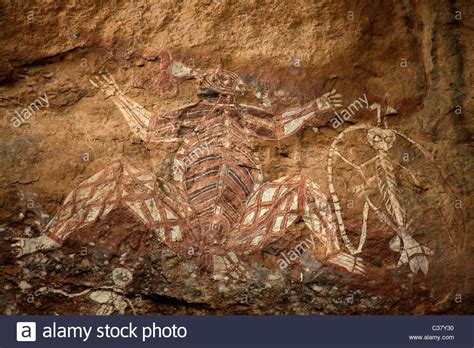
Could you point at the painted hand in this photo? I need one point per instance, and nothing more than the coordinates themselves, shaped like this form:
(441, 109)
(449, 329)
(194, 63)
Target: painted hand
(106, 83)
(329, 100)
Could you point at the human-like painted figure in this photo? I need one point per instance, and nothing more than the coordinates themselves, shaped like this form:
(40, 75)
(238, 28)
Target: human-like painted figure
(219, 204)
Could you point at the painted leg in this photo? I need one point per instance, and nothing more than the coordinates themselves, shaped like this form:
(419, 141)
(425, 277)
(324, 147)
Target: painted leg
(116, 186)
(276, 206)
(318, 217)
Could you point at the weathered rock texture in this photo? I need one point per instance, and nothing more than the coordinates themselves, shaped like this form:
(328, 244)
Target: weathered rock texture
(414, 57)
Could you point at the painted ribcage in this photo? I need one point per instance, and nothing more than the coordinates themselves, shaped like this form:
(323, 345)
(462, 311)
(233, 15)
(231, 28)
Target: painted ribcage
(221, 172)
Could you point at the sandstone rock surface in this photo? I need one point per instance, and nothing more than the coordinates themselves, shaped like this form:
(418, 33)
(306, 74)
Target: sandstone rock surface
(415, 57)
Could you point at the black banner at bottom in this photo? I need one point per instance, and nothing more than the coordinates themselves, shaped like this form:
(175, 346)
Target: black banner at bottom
(237, 331)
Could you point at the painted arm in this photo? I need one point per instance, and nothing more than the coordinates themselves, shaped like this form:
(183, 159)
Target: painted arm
(144, 124)
(59, 291)
(355, 166)
(415, 181)
(267, 125)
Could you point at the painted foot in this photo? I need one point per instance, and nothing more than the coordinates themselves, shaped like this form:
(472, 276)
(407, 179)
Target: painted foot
(25, 246)
(412, 253)
(416, 259)
(350, 263)
(229, 264)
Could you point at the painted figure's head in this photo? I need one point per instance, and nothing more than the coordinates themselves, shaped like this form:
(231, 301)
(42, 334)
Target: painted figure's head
(212, 83)
(381, 139)
(121, 277)
(220, 82)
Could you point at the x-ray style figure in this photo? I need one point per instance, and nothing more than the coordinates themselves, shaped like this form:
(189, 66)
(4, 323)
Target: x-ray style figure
(219, 204)
(381, 168)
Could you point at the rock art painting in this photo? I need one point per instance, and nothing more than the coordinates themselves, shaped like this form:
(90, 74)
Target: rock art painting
(219, 205)
(256, 158)
(380, 190)
(108, 299)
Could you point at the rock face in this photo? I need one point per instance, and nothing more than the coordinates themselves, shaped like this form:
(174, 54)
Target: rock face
(396, 176)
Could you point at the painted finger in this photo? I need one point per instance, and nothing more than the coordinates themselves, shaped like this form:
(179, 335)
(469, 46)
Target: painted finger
(113, 80)
(101, 82)
(107, 79)
(359, 268)
(94, 84)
